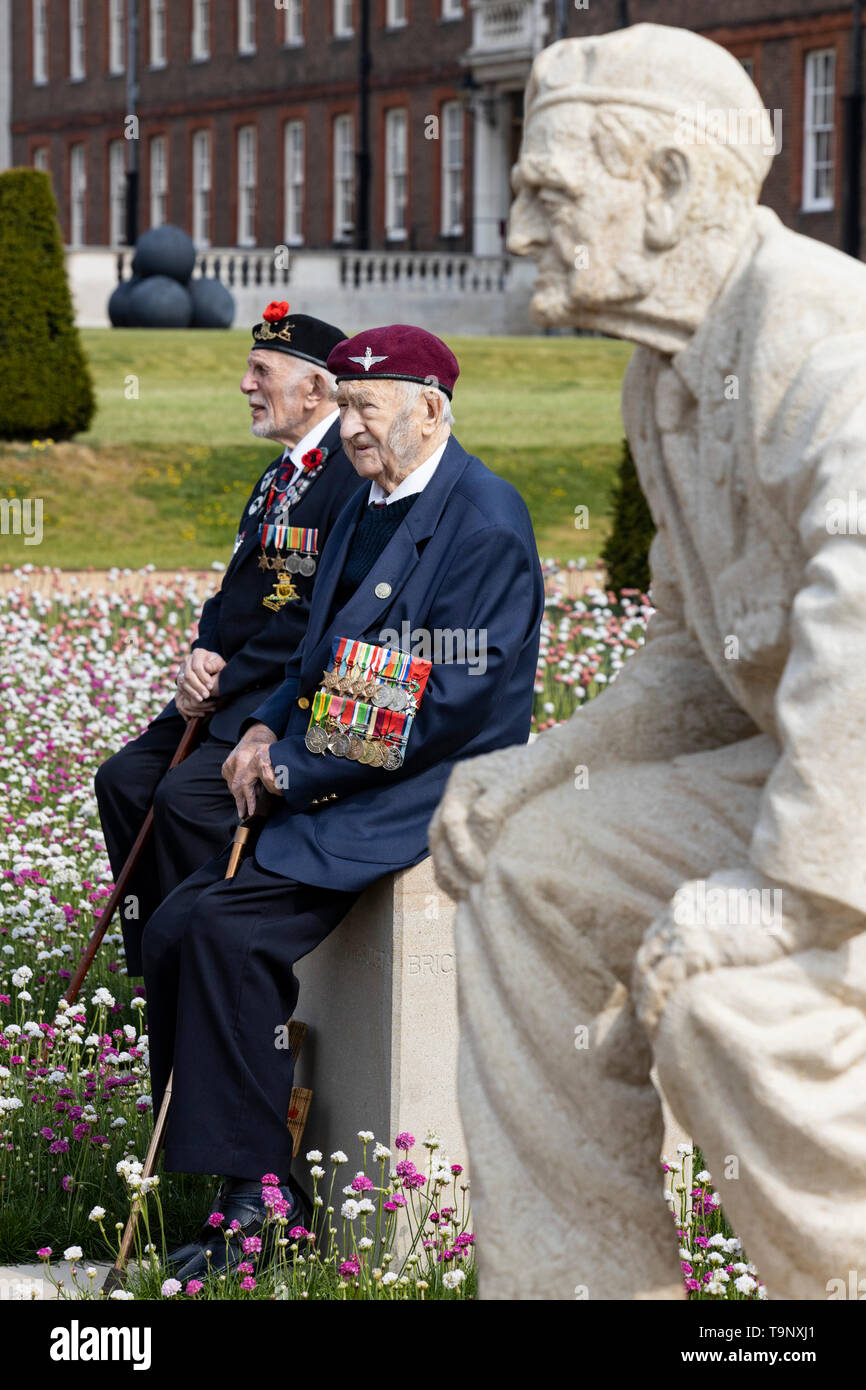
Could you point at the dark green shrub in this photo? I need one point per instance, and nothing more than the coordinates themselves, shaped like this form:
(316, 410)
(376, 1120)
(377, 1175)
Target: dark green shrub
(45, 385)
(626, 550)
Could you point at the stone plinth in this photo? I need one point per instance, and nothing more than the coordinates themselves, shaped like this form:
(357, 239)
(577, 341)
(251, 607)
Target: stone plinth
(379, 997)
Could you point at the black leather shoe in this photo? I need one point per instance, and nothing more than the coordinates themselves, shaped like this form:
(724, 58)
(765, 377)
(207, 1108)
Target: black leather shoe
(239, 1200)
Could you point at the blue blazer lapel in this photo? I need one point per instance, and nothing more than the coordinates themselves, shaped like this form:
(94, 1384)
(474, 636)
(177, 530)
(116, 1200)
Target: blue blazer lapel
(393, 567)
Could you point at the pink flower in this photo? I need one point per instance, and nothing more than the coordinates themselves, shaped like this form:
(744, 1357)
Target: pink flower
(456, 1168)
(404, 1141)
(299, 1233)
(44, 1253)
(362, 1183)
(193, 1287)
(349, 1268)
(692, 1284)
(685, 1267)
(271, 1195)
(249, 1283)
(270, 1180)
(252, 1245)
(215, 1219)
(245, 1267)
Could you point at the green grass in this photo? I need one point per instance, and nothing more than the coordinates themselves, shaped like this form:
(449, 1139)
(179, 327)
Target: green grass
(162, 479)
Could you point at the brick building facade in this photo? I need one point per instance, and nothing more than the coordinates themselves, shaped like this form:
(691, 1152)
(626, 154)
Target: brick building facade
(249, 116)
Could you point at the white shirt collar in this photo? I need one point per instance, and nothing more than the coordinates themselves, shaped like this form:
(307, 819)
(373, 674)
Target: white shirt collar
(310, 439)
(415, 482)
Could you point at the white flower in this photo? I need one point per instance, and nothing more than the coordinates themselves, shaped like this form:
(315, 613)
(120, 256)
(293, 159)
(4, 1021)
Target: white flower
(349, 1210)
(380, 1153)
(102, 996)
(432, 1141)
(72, 1253)
(715, 1288)
(170, 1288)
(366, 1136)
(684, 1149)
(684, 1254)
(122, 1295)
(97, 1214)
(314, 1156)
(339, 1157)
(10, 1103)
(317, 1172)
(389, 1278)
(745, 1283)
(716, 1258)
(718, 1240)
(138, 1002)
(453, 1278)
(703, 1176)
(366, 1205)
(21, 976)
(364, 1243)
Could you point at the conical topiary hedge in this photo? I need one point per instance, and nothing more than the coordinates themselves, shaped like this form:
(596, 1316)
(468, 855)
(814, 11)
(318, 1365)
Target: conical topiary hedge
(45, 385)
(626, 550)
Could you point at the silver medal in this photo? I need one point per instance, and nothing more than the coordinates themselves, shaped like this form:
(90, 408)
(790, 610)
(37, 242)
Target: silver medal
(307, 565)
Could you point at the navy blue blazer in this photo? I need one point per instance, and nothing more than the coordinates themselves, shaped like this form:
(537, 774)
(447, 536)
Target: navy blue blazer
(463, 559)
(255, 641)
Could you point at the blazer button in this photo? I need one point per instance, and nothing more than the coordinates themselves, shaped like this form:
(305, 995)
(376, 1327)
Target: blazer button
(383, 590)
(303, 703)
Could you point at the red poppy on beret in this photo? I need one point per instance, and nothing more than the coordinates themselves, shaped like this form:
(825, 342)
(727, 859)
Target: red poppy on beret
(277, 309)
(400, 352)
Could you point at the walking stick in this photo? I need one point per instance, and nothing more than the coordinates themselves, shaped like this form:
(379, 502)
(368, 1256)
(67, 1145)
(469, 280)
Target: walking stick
(184, 748)
(297, 1111)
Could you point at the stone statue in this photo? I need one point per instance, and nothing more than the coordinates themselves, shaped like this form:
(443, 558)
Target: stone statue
(697, 895)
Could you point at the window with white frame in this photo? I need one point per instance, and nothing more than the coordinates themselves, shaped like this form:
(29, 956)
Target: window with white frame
(247, 185)
(343, 26)
(76, 40)
(158, 56)
(295, 23)
(40, 159)
(158, 181)
(201, 187)
(40, 42)
(117, 192)
(820, 95)
(452, 169)
(452, 9)
(396, 179)
(344, 178)
(200, 40)
(77, 195)
(116, 36)
(395, 14)
(246, 26)
(294, 180)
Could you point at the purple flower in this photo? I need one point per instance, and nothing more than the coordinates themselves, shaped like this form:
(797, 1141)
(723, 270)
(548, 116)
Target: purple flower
(404, 1141)
(252, 1245)
(47, 1133)
(362, 1183)
(215, 1219)
(67, 1184)
(60, 1146)
(349, 1268)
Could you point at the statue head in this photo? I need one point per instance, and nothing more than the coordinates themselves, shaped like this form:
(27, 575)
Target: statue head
(643, 156)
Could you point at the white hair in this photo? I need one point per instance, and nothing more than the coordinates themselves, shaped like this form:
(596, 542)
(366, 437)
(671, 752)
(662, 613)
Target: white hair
(412, 390)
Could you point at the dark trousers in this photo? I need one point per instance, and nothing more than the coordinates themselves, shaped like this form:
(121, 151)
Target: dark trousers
(218, 968)
(194, 817)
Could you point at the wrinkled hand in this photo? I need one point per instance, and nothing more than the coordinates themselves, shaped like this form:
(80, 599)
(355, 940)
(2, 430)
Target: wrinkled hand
(723, 922)
(480, 796)
(198, 683)
(248, 771)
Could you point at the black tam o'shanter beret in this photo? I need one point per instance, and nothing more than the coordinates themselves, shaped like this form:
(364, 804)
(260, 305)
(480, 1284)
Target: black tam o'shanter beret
(399, 351)
(297, 334)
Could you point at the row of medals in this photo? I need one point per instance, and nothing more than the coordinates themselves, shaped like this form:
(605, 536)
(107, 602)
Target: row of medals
(332, 737)
(293, 563)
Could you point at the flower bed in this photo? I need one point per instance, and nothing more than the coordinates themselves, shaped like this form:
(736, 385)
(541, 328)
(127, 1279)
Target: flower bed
(81, 672)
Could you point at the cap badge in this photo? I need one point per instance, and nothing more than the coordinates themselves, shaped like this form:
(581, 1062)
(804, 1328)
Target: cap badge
(368, 360)
(382, 590)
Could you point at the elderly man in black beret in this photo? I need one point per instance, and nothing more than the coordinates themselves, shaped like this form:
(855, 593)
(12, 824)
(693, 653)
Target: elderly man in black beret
(247, 631)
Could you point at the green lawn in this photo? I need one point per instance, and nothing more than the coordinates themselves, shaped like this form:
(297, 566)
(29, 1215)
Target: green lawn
(162, 479)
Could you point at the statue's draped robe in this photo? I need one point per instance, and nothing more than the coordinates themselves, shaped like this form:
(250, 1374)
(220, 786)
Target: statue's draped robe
(711, 761)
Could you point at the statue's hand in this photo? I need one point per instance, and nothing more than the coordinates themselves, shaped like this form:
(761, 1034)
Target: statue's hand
(480, 796)
(733, 918)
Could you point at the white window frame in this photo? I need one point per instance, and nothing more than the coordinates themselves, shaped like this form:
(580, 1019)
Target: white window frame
(294, 158)
(77, 41)
(344, 26)
(202, 181)
(200, 34)
(77, 194)
(247, 147)
(343, 156)
(452, 9)
(116, 36)
(246, 26)
(41, 159)
(294, 22)
(157, 152)
(396, 14)
(40, 43)
(117, 193)
(452, 170)
(158, 34)
(816, 89)
(396, 173)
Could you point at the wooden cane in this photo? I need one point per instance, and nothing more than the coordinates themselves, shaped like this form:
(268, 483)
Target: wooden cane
(184, 748)
(300, 1101)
